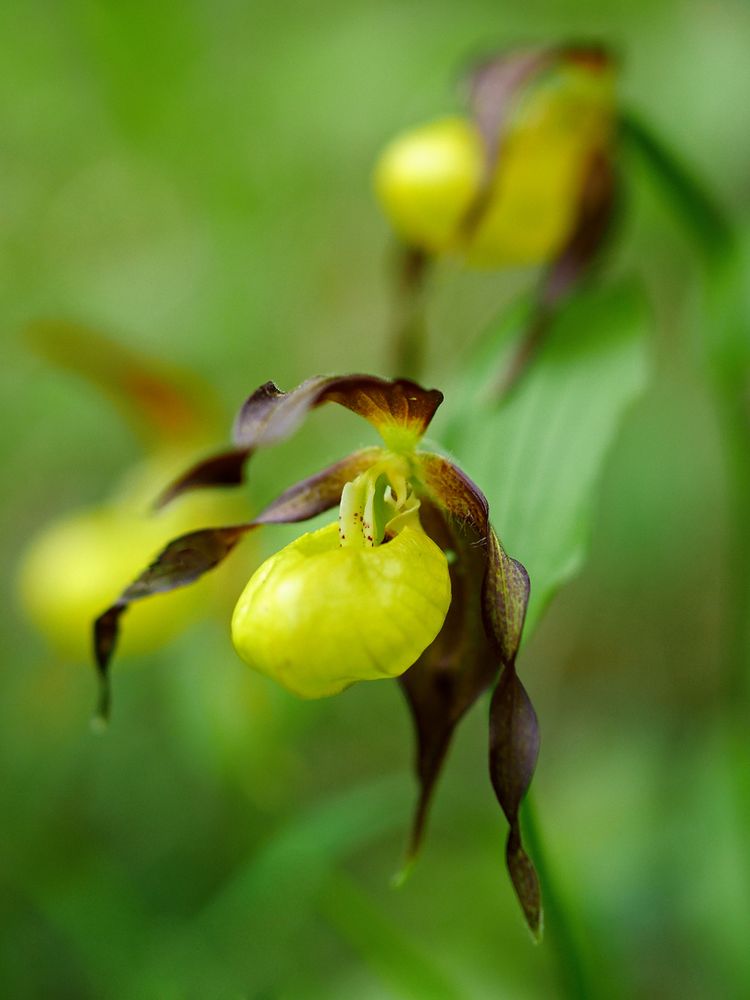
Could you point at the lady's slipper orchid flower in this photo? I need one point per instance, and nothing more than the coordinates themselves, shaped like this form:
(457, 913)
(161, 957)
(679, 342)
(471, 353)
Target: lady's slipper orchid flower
(524, 178)
(506, 184)
(410, 582)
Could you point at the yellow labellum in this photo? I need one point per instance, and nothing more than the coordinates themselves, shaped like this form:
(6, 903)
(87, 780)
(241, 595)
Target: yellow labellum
(317, 616)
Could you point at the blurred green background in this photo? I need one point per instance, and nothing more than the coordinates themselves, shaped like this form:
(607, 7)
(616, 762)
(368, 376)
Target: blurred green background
(194, 179)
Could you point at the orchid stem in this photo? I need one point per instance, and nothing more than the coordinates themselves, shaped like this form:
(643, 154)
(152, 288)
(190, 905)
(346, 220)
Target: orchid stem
(409, 329)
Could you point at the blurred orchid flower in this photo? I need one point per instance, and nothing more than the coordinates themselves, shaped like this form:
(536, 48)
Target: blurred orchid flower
(506, 184)
(80, 557)
(525, 178)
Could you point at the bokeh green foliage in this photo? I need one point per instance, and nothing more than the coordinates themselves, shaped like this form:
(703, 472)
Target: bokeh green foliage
(195, 179)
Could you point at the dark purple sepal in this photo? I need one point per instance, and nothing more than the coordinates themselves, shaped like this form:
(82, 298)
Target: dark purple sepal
(514, 730)
(501, 589)
(269, 416)
(495, 87)
(462, 662)
(225, 469)
(455, 669)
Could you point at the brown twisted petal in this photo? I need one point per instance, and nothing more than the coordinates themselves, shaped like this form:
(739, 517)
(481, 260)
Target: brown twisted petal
(269, 416)
(456, 668)
(187, 558)
(461, 664)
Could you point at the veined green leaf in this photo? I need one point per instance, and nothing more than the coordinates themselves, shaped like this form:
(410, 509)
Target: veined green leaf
(539, 454)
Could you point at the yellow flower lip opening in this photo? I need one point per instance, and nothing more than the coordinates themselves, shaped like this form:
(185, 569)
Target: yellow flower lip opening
(317, 616)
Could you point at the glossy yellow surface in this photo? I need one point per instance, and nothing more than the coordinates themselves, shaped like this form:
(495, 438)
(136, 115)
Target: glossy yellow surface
(318, 617)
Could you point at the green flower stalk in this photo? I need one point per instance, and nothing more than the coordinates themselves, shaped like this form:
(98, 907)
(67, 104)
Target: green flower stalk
(409, 582)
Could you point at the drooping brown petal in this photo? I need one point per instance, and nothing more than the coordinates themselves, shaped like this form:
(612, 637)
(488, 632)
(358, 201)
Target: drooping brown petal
(187, 558)
(399, 409)
(461, 662)
(514, 731)
(514, 748)
(183, 561)
(495, 588)
(505, 588)
(159, 400)
(452, 490)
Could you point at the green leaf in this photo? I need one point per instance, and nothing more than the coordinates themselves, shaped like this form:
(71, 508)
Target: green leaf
(714, 234)
(538, 455)
(690, 200)
(403, 967)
